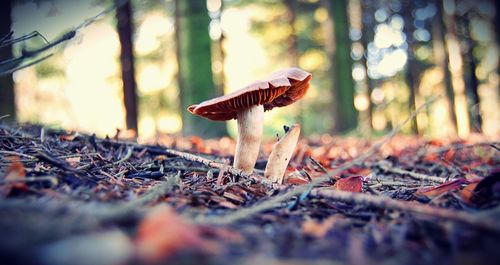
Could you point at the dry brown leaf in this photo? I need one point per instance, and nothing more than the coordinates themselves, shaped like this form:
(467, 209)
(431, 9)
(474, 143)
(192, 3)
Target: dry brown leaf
(316, 229)
(13, 177)
(163, 233)
(73, 161)
(467, 193)
(295, 179)
(440, 189)
(352, 184)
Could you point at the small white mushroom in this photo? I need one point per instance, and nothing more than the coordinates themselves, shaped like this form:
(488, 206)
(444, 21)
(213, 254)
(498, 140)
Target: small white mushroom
(281, 154)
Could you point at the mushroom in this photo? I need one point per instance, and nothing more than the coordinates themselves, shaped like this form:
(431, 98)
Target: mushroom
(281, 154)
(248, 104)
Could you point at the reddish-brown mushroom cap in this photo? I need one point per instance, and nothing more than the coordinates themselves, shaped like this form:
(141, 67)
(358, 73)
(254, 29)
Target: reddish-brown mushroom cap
(280, 89)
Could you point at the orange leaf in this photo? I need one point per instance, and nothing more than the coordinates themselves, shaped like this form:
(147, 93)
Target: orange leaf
(73, 161)
(316, 229)
(359, 171)
(13, 177)
(295, 179)
(352, 184)
(440, 189)
(163, 233)
(467, 193)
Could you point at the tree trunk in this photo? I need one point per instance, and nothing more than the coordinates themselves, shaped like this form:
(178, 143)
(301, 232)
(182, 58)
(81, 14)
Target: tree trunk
(195, 69)
(293, 50)
(7, 97)
(367, 11)
(125, 28)
(442, 60)
(411, 73)
(346, 116)
(470, 78)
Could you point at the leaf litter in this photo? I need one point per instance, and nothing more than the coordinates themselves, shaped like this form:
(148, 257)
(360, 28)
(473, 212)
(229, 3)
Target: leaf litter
(130, 203)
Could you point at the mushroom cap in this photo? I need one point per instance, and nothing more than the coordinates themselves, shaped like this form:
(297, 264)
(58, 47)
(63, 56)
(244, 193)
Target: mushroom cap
(280, 89)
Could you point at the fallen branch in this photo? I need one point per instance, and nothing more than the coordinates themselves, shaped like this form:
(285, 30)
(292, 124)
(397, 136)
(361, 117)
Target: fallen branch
(414, 175)
(414, 207)
(220, 166)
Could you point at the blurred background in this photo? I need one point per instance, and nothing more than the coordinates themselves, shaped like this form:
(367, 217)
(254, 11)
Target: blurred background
(373, 62)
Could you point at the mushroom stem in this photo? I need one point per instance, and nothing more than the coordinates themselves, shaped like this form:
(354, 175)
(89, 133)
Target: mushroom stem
(250, 124)
(281, 154)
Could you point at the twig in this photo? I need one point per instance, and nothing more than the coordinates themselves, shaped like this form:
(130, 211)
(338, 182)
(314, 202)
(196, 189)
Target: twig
(464, 146)
(318, 164)
(306, 189)
(11, 70)
(17, 154)
(13, 64)
(389, 203)
(213, 164)
(126, 157)
(51, 179)
(56, 162)
(494, 147)
(7, 40)
(412, 174)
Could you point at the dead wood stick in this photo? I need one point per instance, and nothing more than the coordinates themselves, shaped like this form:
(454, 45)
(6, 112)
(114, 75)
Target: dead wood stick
(62, 164)
(414, 207)
(414, 175)
(210, 163)
(492, 144)
(304, 190)
(17, 154)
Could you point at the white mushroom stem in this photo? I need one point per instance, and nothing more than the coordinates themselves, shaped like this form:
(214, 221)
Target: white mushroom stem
(281, 154)
(250, 124)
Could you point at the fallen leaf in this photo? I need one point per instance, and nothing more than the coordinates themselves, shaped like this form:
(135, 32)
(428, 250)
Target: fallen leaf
(68, 137)
(73, 161)
(161, 158)
(467, 193)
(13, 178)
(295, 179)
(359, 170)
(317, 229)
(432, 192)
(352, 184)
(163, 233)
(484, 191)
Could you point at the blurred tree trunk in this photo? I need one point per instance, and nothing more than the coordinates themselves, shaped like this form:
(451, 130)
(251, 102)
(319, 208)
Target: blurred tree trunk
(341, 70)
(7, 97)
(470, 77)
(412, 72)
(195, 69)
(293, 50)
(220, 56)
(442, 60)
(125, 32)
(367, 11)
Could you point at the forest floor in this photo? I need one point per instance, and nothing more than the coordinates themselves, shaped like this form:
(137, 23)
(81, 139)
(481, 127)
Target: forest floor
(71, 198)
